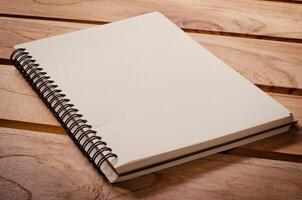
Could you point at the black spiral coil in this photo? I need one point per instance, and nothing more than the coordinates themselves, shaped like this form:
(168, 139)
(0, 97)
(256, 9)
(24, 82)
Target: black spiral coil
(64, 111)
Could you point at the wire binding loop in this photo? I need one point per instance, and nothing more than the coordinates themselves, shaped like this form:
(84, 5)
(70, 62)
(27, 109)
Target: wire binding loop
(73, 123)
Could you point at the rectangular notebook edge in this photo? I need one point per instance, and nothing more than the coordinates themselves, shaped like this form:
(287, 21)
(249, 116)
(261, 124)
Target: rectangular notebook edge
(206, 144)
(197, 155)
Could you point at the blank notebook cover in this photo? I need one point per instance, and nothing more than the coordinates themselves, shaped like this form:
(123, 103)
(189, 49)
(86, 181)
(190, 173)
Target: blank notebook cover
(154, 95)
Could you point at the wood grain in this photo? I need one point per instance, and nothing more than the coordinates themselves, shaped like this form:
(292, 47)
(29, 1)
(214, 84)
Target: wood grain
(237, 16)
(14, 31)
(20, 107)
(46, 166)
(263, 62)
(19, 102)
(36, 165)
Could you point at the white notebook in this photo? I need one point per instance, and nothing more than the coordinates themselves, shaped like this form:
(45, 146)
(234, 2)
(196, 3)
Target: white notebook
(152, 93)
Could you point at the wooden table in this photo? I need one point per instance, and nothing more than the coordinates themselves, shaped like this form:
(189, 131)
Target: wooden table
(260, 39)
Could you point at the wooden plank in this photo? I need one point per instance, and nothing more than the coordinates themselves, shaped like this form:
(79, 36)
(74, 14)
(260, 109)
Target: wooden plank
(270, 18)
(37, 165)
(14, 31)
(263, 62)
(21, 108)
(18, 102)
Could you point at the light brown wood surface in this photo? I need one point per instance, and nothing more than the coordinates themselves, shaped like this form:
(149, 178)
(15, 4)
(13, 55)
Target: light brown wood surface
(237, 16)
(19, 102)
(46, 166)
(264, 62)
(260, 39)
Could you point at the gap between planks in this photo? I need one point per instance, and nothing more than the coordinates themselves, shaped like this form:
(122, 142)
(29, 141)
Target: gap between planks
(188, 30)
(264, 18)
(32, 126)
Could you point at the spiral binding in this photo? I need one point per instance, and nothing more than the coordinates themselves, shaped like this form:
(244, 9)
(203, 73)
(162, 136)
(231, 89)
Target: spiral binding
(64, 111)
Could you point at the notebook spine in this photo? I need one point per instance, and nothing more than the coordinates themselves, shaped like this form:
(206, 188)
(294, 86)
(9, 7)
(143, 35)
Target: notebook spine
(92, 146)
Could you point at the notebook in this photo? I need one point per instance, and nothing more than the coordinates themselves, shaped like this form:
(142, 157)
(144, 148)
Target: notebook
(139, 95)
